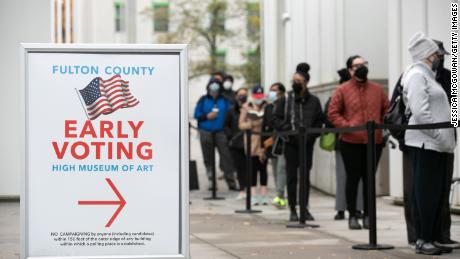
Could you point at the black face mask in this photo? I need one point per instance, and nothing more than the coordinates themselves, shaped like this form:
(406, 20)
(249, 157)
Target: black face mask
(242, 99)
(361, 73)
(297, 87)
(437, 64)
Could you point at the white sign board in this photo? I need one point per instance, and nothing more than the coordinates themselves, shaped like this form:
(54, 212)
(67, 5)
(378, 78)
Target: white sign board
(106, 151)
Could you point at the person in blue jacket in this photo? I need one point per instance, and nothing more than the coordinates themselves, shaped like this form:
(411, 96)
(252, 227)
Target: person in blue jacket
(210, 112)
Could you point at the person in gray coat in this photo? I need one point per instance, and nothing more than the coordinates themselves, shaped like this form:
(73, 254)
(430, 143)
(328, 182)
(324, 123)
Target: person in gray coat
(429, 150)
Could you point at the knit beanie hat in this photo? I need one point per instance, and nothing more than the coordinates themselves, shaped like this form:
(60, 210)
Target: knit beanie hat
(420, 46)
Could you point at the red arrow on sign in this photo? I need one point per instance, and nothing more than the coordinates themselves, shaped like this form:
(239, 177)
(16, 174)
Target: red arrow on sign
(121, 202)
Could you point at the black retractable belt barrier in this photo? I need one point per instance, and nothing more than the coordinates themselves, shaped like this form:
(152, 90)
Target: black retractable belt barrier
(248, 176)
(214, 182)
(371, 168)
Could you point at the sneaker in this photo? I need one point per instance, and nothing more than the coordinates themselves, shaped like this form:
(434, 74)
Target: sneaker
(241, 196)
(353, 223)
(448, 243)
(366, 222)
(426, 248)
(340, 215)
(293, 216)
(254, 201)
(264, 200)
(276, 201)
(308, 216)
(279, 203)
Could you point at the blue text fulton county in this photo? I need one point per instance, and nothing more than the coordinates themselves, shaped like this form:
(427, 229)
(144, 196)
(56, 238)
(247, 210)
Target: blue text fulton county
(96, 70)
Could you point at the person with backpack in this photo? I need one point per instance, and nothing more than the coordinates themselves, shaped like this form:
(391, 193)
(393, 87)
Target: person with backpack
(429, 150)
(303, 110)
(210, 112)
(354, 103)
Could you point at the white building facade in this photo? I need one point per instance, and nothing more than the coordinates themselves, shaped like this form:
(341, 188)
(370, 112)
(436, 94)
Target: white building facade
(324, 33)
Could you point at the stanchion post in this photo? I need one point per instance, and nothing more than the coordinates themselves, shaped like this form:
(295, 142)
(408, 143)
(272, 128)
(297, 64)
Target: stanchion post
(248, 209)
(214, 182)
(302, 185)
(371, 169)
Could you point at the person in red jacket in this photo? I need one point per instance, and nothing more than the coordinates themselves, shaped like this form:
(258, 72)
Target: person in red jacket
(354, 103)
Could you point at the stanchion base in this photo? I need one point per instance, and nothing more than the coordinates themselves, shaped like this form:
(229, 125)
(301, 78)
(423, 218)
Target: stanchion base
(213, 198)
(248, 211)
(372, 247)
(300, 225)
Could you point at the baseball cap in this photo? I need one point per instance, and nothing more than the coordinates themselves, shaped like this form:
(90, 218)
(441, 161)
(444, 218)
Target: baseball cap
(258, 92)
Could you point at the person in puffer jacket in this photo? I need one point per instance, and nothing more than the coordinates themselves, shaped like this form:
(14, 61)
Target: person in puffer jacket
(210, 112)
(354, 103)
(426, 102)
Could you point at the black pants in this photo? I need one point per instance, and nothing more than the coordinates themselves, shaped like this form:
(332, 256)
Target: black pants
(261, 168)
(429, 170)
(355, 160)
(407, 192)
(291, 154)
(442, 231)
(209, 142)
(239, 160)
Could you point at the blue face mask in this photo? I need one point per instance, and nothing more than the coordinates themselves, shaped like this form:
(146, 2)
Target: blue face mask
(214, 88)
(258, 101)
(272, 96)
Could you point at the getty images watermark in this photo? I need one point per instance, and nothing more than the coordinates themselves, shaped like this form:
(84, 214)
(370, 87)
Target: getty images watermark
(454, 63)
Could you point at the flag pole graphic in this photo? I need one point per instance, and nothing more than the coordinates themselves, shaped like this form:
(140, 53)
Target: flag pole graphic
(83, 106)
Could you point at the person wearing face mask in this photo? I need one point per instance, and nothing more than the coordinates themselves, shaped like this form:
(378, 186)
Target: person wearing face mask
(340, 174)
(251, 118)
(443, 77)
(303, 110)
(210, 112)
(228, 91)
(428, 150)
(278, 162)
(235, 139)
(354, 103)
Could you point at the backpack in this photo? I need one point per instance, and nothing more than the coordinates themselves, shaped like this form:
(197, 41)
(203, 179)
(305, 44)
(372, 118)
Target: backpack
(396, 114)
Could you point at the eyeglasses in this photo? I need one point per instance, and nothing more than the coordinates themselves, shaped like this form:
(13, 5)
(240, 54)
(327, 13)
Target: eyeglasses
(354, 66)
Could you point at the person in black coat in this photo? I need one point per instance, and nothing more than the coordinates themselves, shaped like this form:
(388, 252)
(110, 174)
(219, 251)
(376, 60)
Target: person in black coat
(443, 77)
(235, 139)
(303, 110)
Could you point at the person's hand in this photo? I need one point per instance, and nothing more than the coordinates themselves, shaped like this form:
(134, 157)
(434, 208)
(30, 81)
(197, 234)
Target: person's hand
(211, 115)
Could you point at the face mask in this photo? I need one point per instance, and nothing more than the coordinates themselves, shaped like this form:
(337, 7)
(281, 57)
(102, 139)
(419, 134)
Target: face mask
(258, 101)
(297, 87)
(436, 64)
(272, 96)
(242, 98)
(214, 88)
(228, 85)
(361, 73)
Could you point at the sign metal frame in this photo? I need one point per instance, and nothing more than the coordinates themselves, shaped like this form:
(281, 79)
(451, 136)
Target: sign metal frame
(174, 49)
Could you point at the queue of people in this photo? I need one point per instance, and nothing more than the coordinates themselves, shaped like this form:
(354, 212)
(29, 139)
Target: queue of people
(223, 115)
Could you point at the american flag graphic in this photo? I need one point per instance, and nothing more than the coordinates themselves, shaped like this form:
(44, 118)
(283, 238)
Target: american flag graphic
(106, 96)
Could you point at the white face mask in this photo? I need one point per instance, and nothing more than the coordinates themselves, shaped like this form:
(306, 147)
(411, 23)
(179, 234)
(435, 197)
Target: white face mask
(228, 85)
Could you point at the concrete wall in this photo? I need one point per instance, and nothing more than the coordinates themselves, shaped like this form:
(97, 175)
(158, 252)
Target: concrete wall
(324, 33)
(20, 21)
